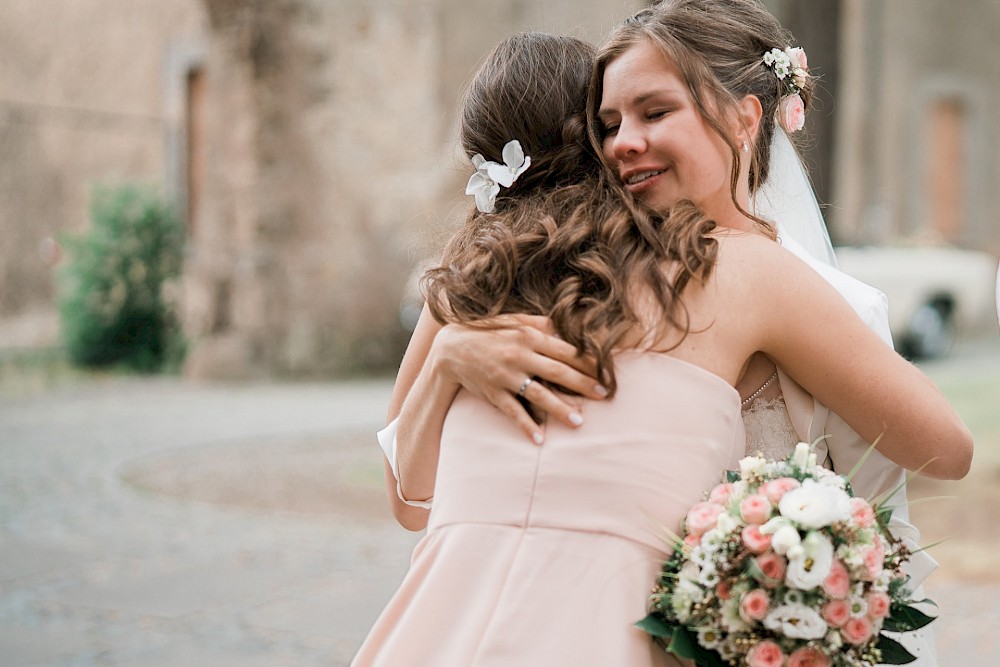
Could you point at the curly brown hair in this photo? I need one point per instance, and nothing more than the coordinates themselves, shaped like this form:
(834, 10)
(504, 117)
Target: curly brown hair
(718, 46)
(564, 240)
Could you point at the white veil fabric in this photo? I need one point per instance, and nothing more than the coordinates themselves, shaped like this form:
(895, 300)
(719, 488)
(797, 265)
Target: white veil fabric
(787, 199)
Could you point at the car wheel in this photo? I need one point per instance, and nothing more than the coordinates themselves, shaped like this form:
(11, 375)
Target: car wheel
(931, 333)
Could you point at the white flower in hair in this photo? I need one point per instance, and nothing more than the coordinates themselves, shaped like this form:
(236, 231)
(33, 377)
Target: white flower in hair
(485, 183)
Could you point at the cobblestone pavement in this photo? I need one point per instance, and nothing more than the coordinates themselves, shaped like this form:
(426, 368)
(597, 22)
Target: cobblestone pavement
(154, 522)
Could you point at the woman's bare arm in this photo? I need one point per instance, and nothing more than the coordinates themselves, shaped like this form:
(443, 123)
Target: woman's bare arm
(491, 363)
(813, 333)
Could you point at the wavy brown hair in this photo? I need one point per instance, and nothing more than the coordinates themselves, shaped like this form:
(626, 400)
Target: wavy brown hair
(564, 240)
(718, 46)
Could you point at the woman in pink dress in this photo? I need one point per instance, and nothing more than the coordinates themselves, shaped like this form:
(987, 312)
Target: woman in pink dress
(544, 555)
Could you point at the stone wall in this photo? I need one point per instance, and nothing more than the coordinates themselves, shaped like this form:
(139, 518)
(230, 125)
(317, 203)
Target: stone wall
(339, 120)
(81, 104)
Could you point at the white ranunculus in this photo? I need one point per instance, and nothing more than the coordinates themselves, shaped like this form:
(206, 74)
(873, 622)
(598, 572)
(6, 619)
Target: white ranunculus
(796, 621)
(807, 570)
(815, 505)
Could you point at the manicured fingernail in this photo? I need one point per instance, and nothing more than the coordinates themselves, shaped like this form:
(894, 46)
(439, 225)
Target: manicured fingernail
(537, 437)
(575, 418)
(600, 390)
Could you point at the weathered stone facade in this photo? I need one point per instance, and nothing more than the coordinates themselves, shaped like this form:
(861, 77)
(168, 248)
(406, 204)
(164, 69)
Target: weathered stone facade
(333, 170)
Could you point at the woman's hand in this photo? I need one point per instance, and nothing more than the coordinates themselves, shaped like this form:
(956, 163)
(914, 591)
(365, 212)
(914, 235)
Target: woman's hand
(495, 363)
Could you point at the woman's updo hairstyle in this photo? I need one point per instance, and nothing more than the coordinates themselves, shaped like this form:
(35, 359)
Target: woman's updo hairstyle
(541, 105)
(718, 46)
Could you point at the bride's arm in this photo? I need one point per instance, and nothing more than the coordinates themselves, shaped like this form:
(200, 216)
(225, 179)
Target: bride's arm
(816, 337)
(492, 364)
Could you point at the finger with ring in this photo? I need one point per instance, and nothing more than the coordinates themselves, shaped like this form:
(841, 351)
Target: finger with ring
(524, 387)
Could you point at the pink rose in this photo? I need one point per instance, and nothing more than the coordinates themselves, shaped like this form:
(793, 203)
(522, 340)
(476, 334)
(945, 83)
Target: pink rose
(765, 654)
(838, 583)
(791, 113)
(862, 512)
(692, 540)
(702, 517)
(755, 509)
(777, 488)
(857, 630)
(808, 657)
(797, 57)
(753, 605)
(754, 540)
(773, 567)
(720, 494)
(878, 604)
(836, 612)
(874, 558)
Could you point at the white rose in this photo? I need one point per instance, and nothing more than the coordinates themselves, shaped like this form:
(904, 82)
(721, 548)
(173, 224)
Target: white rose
(786, 539)
(815, 505)
(796, 621)
(808, 570)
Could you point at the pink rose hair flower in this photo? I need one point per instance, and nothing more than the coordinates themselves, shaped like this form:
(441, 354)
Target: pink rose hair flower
(766, 654)
(791, 113)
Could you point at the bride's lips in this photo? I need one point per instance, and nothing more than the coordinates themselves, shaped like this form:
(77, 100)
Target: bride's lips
(638, 181)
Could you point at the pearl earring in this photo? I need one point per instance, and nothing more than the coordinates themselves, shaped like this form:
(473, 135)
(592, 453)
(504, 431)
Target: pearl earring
(746, 147)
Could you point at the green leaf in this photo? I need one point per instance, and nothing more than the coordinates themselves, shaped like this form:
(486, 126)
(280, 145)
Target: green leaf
(657, 626)
(684, 644)
(906, 618)
(732, 476)
(893, 653)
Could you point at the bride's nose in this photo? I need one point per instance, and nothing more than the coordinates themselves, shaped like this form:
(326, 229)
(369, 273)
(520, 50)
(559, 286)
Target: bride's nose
(627, 142)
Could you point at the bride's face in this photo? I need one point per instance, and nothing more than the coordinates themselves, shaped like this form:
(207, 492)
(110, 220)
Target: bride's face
(655, 138)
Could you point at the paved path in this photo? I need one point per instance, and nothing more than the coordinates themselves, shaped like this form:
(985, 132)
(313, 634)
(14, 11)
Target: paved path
(207, 556)
(159, 523)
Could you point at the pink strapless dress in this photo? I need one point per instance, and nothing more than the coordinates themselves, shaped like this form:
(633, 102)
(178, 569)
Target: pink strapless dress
(546, 555)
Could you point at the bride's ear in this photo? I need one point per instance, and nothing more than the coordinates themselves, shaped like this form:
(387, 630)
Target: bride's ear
(750, 112)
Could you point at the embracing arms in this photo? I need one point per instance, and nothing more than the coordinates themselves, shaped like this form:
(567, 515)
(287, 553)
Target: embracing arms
(491, 363)
(815, 336)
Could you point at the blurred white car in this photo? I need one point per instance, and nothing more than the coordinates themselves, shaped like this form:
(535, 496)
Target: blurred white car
(934, 293)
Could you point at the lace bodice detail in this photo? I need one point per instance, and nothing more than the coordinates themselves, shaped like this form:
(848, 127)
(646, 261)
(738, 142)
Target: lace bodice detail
(769, 431)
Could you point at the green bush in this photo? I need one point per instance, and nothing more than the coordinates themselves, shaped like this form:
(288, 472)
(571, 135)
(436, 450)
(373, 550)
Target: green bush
(112, 303)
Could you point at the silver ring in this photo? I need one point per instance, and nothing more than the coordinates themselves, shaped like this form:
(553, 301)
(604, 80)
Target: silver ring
(524, 387)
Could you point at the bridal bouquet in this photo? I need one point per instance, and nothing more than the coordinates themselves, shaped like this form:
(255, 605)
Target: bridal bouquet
(781, 566)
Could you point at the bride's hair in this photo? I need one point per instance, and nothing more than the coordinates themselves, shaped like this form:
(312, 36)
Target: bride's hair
(564, 240)
(718, 47)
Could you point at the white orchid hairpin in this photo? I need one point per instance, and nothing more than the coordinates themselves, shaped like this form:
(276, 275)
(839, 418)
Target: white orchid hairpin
(485, 183)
